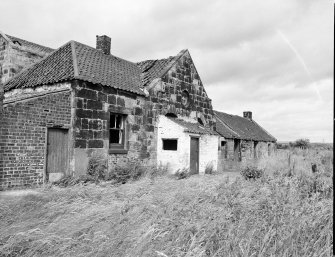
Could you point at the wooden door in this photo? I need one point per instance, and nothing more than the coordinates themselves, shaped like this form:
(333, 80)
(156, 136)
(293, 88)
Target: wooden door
(194, 156)
(57, 151)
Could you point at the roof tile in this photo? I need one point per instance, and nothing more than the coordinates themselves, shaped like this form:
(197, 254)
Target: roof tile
(243, 128)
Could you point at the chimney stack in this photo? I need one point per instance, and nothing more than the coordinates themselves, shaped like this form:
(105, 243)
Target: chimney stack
(104, 44)
(247, 115)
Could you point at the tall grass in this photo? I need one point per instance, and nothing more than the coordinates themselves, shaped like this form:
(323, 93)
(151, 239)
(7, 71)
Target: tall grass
(211, 215)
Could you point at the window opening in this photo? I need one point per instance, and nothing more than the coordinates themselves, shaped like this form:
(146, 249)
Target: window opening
(117, 130)
(170, 144)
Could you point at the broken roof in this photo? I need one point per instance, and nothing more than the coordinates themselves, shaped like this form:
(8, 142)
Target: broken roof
(30, 45)
(234, 126)
(151, 69)
(191, 127)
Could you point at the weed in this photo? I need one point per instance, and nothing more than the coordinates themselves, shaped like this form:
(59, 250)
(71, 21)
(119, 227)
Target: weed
(251, 172)
(182, 173)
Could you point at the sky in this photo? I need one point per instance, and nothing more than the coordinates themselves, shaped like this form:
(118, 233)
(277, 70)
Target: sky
(271, 57)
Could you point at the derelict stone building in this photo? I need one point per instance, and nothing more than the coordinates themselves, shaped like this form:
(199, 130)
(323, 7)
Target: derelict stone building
(78, 101)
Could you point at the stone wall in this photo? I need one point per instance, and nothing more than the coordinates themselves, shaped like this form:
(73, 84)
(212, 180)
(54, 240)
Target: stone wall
(165, 95)
(23, 134)
(249, 154)
(93, 104)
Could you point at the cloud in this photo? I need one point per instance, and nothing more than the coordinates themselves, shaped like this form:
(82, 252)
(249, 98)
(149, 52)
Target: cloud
(242, 60)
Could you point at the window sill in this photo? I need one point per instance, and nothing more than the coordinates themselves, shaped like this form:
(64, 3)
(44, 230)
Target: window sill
(117, 151)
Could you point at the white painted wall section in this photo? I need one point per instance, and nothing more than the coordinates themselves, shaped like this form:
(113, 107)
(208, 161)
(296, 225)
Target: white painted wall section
(175, 160)
(208, 147)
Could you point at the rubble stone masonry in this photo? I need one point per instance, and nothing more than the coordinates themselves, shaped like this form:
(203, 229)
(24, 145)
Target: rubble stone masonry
(93, 106)
(166, 94)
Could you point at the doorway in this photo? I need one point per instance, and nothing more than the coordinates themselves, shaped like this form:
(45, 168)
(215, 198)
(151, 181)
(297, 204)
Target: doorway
(194, 155)
(57, 153)
(237, 150)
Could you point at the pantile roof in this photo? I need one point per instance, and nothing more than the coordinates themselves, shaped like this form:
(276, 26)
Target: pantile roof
(195, 127)
(56, 67)
(78, 61)
(243, 128)
(30, 45)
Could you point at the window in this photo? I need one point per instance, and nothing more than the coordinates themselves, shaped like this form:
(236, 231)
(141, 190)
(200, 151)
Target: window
(170, 144)
(117, 131)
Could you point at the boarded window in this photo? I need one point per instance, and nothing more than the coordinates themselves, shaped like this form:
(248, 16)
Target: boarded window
(170, 144)
(117, 130)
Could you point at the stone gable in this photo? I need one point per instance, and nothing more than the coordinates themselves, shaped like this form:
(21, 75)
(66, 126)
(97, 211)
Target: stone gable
(165, 94)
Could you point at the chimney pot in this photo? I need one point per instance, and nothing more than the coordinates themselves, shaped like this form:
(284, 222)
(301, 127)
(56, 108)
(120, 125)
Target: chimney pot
(247, 115)
(104, 44)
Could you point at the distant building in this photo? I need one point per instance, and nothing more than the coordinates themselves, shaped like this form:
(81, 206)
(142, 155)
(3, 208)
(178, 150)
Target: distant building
(76, 101)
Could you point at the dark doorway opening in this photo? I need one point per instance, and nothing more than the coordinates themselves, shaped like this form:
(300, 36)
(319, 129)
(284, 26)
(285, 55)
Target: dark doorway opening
(237, 150)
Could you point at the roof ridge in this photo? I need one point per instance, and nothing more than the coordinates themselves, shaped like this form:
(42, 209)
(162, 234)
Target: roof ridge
(74, 59)
(107, 55)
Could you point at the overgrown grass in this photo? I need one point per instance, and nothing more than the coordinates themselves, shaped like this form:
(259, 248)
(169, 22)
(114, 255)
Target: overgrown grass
(211, 215)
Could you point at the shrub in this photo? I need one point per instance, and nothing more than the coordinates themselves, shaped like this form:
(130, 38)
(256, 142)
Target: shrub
(302, 143)
(251, 172)
(97, 167)
(182, 173)
(128, 171)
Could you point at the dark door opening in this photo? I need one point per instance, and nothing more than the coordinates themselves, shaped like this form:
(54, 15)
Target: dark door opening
(194, 156)
(237, 150)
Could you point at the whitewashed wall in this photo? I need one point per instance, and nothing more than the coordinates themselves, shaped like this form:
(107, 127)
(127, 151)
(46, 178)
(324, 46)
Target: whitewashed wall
(208, 147)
